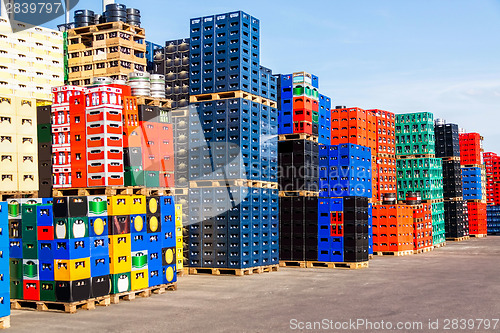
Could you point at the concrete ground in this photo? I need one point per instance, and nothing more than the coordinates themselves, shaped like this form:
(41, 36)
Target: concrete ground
(459, 281)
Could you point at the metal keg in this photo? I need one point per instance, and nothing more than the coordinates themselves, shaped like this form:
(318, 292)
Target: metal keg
(84, 18)
(121, 82)
(102, 80)
(389, 199)
(133, 11)
(413, 198)
(134, 16)
(116, 7)
(158, 85)
(139, 83)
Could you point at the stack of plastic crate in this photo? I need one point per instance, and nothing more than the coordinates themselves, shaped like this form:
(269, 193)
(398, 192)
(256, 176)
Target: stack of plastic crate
(232, 147)
(417, 168)
(474, 182)
(448, 149)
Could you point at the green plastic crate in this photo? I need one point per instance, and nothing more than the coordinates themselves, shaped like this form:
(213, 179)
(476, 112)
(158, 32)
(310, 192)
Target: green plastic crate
(44, 133)
(48, 291)
(16, 288)
(415, 134)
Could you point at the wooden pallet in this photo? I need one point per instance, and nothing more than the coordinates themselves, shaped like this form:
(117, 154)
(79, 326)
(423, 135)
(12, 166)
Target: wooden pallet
(478, 235)
(6, 195)
(181, 191)
(393, 253)
(291, 263)
(232, 183)
(454, 199)
(424, 250)
(106, 26)
(405, 157)
(451, 158)
(233, 271)
(153, 101)
(111, 191)
(459, 239)
(298, 136)
(67, 307)
(386, 155)
(232, 94)
(183, 272)
(341, 265)
(472, 166)
(298, 194)
(370, 256)
(262, 184)
(5, 322)
(147, 292)
(179, 112)
(477, 200)
(437, 246)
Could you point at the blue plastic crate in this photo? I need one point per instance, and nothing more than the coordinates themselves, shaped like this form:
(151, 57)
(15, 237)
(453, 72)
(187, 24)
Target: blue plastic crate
(46, 250)
(139, 241)
(155, 276)
(99, 265)
(45, 216)
(16, 248)
(72, 248)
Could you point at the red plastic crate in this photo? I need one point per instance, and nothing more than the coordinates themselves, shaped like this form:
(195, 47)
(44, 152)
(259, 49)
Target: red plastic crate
(31, 290)
(392, 228)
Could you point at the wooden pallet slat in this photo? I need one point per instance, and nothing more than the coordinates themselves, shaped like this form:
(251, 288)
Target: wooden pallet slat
(233, 271)
(233, 183)
(298, 193)
(478, 235)
(393, 253)
(233, 94)
(6, 195)
(5, 322)
(298, 136)
(341, 265)
(458, 239)
(437, 246)
(144, 293)
(414, 156)
(111, 191)
(423, 250)
(291, 263)
(67, 307)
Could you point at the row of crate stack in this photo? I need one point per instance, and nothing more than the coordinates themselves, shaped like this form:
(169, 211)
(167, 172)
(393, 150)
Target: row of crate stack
(69, 249)
(424, 180)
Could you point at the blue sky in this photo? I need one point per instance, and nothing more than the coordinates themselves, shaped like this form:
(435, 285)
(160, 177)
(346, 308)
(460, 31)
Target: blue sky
(402, 56)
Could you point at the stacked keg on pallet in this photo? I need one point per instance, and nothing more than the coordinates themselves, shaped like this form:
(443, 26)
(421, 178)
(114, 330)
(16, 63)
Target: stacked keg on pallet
(417, 168)
(448, 149)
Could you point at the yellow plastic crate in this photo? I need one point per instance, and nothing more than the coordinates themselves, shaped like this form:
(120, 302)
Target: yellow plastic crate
(71, 270)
